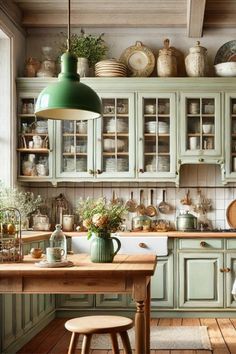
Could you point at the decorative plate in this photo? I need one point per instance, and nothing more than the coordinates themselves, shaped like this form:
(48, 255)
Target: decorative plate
(227, 52)
(139, 59)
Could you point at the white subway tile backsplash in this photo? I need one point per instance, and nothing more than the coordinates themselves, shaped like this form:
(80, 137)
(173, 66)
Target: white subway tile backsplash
(193, 178)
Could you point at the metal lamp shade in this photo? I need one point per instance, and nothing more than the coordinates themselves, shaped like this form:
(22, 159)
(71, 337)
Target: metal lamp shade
(68, 99)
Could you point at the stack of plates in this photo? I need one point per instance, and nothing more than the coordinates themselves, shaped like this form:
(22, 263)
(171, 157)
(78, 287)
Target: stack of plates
(110, 68)
(81, 165)
(154, 127)
(151, 127)
(119, 164)
(118, 126)
(163, 163)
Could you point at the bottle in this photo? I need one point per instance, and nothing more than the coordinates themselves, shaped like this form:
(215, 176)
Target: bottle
(58, 239)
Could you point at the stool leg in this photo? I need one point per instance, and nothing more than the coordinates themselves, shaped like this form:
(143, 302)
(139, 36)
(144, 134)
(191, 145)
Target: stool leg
(73, 341)
(86, 344)
(126, 342)
(114, 341)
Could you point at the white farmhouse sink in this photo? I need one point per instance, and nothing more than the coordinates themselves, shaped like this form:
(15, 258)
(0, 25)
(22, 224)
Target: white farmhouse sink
(129, 244)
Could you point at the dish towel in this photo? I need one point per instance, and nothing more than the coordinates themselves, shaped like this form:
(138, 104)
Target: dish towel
(233, 292)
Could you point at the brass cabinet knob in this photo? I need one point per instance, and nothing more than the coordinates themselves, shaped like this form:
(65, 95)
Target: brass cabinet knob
(142, 245)
(141, 170)
(203, 244)
(98, 172)
(225, 270)
(91, 172)
(200, 159)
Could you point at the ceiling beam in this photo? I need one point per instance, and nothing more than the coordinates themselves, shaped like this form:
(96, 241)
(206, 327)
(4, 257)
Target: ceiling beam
(195, 17)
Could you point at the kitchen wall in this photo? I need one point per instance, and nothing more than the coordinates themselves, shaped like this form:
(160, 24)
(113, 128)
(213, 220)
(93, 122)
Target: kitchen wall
(207, 178)
(118, 39)
(193, 178)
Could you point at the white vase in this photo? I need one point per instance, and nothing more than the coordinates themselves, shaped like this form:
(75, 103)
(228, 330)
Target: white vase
(83, 67)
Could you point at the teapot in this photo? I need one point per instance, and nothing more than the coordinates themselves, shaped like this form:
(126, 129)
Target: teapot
(186, 221)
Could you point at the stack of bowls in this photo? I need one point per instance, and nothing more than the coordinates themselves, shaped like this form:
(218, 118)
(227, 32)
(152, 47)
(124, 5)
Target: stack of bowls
(163, 127)
(118, 125)
(110, 68)
(151, 127)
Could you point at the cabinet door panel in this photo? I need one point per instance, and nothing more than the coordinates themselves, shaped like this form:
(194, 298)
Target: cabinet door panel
(162, 283)
(200, 132)
(156, 135)
(230, 278)
(230, 135)
(115, 134)
(200, 280)
(111, 300)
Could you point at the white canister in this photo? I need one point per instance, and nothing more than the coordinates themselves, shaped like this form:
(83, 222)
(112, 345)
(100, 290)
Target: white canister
(193, 142)
(68, 222)
(196, 61)
(83, 67)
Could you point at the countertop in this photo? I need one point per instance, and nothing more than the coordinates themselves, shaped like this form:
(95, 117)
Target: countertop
(43, 235)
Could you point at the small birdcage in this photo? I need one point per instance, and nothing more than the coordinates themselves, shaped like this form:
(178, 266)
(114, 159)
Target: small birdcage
(11, 249)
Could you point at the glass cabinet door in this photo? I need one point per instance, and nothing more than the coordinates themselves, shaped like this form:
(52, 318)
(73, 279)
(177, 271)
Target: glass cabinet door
(201, 125)
(156, 134)
(34, 146)
(230, 135)
(115, 137)
(74, 146)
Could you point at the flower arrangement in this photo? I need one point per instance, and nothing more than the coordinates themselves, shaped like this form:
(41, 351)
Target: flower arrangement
(87, 46)
(100, 217)
(25, 202)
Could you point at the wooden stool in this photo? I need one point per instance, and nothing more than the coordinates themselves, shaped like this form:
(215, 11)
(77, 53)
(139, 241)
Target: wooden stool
(90, 325)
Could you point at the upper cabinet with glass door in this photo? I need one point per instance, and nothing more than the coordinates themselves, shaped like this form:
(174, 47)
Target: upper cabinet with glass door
(115, 134)
(200, 133)
(35, 143)
(156, 136)
(230, 135)
(74, 146)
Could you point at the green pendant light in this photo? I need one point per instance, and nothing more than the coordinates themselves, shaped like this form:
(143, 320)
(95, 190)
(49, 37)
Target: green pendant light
(68, 99)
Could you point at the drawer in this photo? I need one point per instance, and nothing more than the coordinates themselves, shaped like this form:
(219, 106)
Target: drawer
(201, 244)
(129, 245)
(143, 245)
(231, 244)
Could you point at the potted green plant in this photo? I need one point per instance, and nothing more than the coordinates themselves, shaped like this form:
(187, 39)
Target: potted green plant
(101, 219)
(90, 48)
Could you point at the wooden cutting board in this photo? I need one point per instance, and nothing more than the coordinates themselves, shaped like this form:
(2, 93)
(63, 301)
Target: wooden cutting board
(231, 214)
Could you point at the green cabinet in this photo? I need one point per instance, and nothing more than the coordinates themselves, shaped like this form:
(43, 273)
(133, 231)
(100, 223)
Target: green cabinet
(200, 280)
(162, 284)
(207, 271)
(230, 136)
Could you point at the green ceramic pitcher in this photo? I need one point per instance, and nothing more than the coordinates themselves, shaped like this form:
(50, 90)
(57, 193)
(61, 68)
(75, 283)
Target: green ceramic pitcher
(102, 249)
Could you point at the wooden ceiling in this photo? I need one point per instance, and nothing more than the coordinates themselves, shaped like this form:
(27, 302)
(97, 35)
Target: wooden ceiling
(194, 15)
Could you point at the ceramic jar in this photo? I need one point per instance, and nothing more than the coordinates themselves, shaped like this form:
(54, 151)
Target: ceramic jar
(196, 63)
(83, 67)
(166, 61)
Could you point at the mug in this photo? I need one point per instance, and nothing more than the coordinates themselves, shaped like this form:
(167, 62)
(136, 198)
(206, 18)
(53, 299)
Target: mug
(54, 254)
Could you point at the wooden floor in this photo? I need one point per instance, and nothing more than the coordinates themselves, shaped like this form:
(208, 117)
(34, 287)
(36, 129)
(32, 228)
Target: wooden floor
(54, 339)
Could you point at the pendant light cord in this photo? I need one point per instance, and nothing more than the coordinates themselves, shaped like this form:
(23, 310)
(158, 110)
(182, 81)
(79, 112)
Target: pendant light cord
(68, 27)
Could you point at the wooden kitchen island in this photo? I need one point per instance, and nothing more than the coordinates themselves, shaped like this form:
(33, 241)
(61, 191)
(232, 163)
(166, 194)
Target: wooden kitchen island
(127, 274)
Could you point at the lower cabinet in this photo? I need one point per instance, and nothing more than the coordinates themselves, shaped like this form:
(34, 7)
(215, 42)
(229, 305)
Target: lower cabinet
(200, 280)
